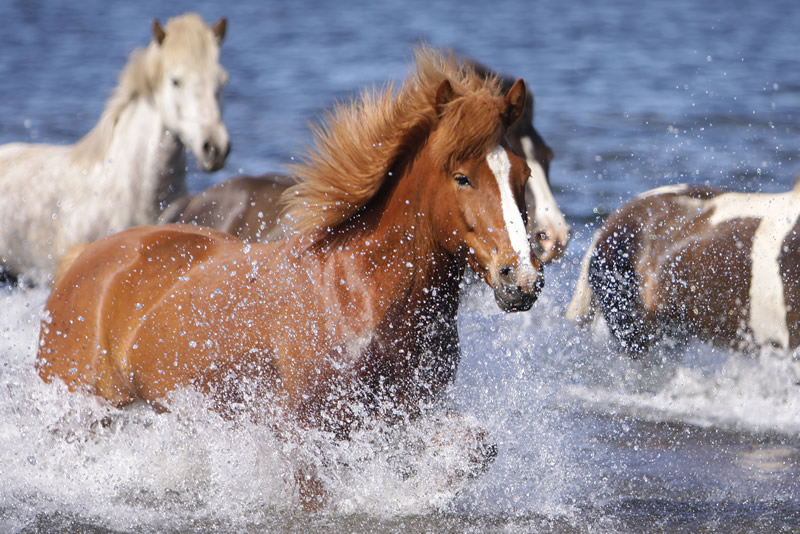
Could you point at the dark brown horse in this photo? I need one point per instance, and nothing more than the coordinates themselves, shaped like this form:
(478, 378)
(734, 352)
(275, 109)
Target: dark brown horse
(695, 260)
(249, 207)
(356, 311)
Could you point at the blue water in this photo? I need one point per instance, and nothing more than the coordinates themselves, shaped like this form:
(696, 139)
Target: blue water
(630, 95)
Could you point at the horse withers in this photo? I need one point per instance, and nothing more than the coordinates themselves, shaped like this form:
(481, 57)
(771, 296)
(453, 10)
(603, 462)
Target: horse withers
(130, 165)
(684, 259)
(249, 207)
(354, 315)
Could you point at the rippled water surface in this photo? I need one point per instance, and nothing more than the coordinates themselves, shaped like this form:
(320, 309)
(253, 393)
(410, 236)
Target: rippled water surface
(630, 95)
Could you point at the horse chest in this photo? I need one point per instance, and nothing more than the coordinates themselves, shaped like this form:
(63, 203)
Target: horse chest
(414, 353)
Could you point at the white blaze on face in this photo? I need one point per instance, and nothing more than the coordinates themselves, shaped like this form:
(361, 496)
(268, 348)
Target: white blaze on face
(501, 168)
(778, 214)
(545, 213)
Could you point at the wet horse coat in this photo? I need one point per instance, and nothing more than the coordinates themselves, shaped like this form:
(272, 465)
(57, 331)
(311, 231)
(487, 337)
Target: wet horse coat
(720, 265)
(355, 312)
(130, 165)
(250, 207)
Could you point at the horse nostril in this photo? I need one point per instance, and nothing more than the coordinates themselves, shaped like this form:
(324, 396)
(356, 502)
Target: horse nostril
(208, 148)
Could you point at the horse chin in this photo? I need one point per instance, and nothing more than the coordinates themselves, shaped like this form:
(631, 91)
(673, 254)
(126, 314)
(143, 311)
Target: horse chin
(514, 301)
(211, 165)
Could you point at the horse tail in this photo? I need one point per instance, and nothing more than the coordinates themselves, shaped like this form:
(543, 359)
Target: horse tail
(66, 261)
(583, 305)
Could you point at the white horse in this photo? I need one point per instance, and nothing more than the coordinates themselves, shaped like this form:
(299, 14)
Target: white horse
(132, 163)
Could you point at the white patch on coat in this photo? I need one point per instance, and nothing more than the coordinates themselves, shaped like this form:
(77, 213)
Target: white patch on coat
(778, 214)
(500, 166)
(545, 213)
(664, 190)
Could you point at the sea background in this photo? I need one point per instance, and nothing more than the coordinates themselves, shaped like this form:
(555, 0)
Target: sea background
(630, 95)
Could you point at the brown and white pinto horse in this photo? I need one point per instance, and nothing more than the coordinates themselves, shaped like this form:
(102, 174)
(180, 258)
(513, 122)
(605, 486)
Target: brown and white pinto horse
(249, 207)
(547, 226)
(355, 312)
(695, 260)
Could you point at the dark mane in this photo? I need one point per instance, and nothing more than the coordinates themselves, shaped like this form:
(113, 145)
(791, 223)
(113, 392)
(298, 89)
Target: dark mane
(356, 147)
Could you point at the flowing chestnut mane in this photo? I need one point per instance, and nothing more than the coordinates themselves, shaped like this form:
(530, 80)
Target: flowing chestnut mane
(357, 149)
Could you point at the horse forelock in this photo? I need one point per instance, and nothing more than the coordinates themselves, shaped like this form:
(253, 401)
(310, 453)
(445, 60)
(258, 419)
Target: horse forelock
(189, 42)
(359, 144)
(470, 128)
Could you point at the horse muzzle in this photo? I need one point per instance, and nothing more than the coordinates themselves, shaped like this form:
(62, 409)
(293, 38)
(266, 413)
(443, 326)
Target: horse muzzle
(548, 247)
(516, 289)
(214, 156)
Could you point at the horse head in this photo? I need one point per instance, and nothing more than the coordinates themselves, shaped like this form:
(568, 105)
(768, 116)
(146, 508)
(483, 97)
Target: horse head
(189, 84)
(547, 227)
(478, 207)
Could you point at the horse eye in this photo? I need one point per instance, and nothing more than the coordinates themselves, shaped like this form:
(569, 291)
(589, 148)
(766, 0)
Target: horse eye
(461, 179)
(176, 82)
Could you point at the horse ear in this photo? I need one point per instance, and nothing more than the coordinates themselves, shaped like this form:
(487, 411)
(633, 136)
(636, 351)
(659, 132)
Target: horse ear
(220, 27)
(515, 102)
(444, 95)
(158, 32)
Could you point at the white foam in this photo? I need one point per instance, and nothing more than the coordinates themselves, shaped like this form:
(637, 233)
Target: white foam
(191, 466)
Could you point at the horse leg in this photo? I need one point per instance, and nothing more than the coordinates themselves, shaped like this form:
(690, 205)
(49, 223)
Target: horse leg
(310, 488)
(479, 450)
(616, 284)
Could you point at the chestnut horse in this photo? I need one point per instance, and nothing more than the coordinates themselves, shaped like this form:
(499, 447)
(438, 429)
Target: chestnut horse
(249, 207)
(354, 313)
(695, 260)
(130, 165)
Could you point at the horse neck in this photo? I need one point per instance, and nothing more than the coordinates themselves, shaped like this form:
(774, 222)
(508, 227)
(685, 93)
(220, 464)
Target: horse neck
(414, 268)
(143, 164)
